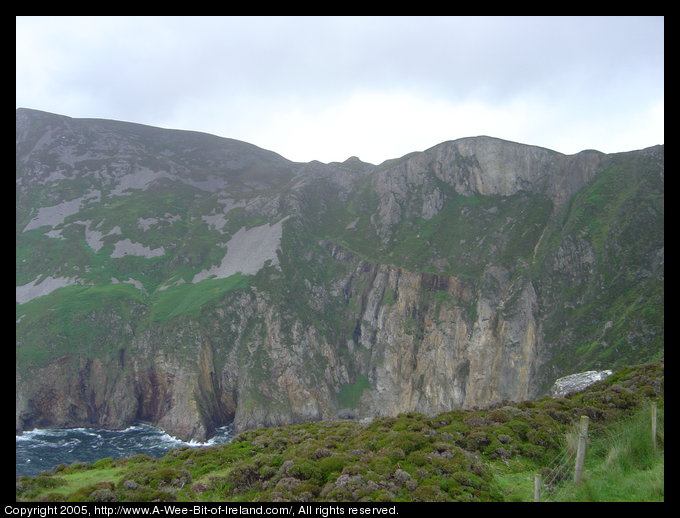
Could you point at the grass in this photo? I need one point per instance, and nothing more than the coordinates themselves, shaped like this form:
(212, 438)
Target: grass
(607, 485)
(70, 480)
(190, 298)
(350, 394)
(623, 465)
(53, 325)
(616, 222)
(79, 479)
(515, 480)
(452, 240)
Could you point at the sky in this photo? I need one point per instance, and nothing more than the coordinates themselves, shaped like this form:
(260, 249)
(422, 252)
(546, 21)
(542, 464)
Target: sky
(327, 88)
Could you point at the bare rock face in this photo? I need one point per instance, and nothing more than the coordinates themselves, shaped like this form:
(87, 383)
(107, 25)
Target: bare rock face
(442, 342)
(577, 382)
(480, 166)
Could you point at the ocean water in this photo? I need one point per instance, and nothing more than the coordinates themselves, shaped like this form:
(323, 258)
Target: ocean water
(43, 449)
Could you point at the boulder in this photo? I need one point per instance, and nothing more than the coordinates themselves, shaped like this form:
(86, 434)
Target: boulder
(576, 382)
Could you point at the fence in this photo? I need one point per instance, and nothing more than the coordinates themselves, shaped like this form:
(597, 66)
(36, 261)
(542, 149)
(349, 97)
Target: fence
(568, 465)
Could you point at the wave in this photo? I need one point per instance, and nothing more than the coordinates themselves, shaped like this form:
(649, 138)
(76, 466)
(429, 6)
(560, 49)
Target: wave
(42, 449)
(26, 436)
(215, 439)
(43, 432)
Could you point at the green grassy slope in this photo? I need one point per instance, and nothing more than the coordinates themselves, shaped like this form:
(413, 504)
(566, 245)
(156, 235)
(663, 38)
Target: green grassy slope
(605, 309)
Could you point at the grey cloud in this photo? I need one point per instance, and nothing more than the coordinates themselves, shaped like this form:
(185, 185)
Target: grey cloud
(152, 69)
(287, 55)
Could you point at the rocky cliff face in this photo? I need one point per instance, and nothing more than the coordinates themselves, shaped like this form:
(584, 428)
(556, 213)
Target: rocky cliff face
(189, 281)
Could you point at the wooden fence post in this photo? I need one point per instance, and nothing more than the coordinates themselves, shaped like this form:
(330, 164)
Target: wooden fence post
(537, 487)
(581, 451)
(654, 425)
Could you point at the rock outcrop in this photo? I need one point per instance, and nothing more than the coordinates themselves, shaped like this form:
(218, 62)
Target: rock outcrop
(577, 382)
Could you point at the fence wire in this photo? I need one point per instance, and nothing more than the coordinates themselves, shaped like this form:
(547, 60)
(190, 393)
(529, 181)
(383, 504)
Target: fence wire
(561, 469)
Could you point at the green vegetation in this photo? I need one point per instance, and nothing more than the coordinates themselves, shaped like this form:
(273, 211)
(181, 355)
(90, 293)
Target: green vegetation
(467, 233)
(53, 326)
(623, 465)
(190, 298)
(463, 455)
(350, 394)
(608, 304)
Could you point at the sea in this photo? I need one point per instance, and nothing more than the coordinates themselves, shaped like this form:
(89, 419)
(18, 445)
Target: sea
(41, 450)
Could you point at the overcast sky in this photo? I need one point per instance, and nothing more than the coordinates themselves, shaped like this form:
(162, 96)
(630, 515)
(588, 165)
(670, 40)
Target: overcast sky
(326, 88)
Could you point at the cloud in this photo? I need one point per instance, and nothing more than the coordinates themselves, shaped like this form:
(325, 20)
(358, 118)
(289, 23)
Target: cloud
(377, 87)
(376, 126)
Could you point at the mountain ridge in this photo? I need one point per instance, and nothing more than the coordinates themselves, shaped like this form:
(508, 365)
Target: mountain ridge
(21, 111)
